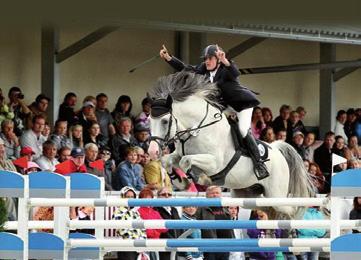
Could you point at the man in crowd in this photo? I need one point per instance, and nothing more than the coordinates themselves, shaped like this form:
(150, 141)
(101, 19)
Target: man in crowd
(104, 118)
(33, 137)
(87, 116)
(75, 164)
(323, 157)
(48, 161)
(64, 154)
(215, 213)
(122, 140)
(59, 136)
(39, 107)
(340, 124)
(281, 122)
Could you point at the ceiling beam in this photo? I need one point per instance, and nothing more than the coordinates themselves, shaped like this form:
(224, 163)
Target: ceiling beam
(244, 46)
(343, 73)
(84, 43)
(302, 67)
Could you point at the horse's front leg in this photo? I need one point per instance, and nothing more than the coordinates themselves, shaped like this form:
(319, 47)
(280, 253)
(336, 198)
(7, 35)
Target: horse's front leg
(206, 162)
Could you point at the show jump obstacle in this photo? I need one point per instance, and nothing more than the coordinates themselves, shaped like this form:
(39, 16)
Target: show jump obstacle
(79, 189)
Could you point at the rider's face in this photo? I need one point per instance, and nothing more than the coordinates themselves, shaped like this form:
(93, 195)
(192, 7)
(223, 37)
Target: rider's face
(211, 63)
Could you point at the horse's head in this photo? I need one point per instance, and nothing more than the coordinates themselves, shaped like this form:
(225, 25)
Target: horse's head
(162, 125)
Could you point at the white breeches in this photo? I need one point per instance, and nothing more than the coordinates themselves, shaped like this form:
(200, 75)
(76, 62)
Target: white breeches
(244, 120)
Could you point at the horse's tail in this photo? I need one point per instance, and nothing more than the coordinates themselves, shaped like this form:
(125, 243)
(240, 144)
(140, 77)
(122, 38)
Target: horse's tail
(300, 184)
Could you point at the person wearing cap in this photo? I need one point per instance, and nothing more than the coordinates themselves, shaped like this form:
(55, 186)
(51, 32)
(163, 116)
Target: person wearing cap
(48, 161)
(33, 137)
(32, 167)
(87, 116)
(28, 152)
(297, 143)
(38, 107)
(224, 73)
(12, 144)
(76, 162)
(141, 134)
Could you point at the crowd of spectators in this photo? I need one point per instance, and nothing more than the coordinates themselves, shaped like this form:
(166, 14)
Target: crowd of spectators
(113, 144)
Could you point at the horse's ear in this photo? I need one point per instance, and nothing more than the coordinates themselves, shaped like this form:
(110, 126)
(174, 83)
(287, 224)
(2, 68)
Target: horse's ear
(169, 101)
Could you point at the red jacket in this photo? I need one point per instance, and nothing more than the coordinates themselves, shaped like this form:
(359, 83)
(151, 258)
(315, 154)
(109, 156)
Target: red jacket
(68, 167)
(150, 213)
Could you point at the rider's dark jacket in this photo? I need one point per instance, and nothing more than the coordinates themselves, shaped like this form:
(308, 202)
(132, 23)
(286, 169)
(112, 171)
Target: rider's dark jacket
(232, 93)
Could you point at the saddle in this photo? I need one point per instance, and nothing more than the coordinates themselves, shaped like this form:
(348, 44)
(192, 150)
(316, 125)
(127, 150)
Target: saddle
(240, 150)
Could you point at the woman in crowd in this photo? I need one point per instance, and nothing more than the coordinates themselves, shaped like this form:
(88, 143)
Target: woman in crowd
(267, 116)
(340, 148)
(122, 108)
(76, 136)
(11, 141)
(94, 136)
(124, 214)
(318, 179)
(355, 149)
(257, 124)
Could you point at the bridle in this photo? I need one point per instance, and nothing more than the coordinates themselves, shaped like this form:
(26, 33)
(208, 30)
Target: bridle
(190, 132)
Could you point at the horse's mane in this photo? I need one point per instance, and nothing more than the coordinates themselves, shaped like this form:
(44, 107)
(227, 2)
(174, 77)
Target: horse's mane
(182, 85)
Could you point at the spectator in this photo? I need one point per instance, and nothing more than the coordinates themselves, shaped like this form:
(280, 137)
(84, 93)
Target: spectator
(20, 109)
(64, 154)
(39, 107)
(349, 126)
(188, 213)
(48, 161)
(355, 213)
(84, 213)
(323, 157)
(309, 146)
(340, 124)
(122, 109)
(122, 140)
(66, 109)
(33, 137)
(28, 152)
(144, 116)
(214, 213)
(238, 233)
(257, 124)
(91, 155)
(32, 167)
(150, 213)
(94, 136)
(267, 116)
(353, 163)
(76, 163)
(281, 122)
(46, 131)
(294, 125)
(109, 165)
(76, 136)
(281, 134)
(167, 213)
(141, 134)
(297, 143)
(11, 141)
(267, 135)
(340, 148)
(302, 113)
(354, 148)
(5, 164)
(262, 233)
(155, 174)
(128, 172)
(59, 136)
(128, 214)
(104, 117)
(312, 213)
(317, 177)
(87, 116)
(306, 163)
(91, 99)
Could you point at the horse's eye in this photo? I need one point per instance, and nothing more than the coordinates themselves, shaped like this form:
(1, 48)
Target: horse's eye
(164, 121)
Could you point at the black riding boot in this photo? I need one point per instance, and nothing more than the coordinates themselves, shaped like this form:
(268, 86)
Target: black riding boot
(260, 169)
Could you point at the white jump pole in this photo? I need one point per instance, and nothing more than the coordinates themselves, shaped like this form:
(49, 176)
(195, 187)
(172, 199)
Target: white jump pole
(23, 217)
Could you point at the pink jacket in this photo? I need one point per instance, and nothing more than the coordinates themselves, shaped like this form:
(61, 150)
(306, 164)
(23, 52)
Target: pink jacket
(150, 213)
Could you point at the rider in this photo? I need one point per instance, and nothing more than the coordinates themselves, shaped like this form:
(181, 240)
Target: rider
(218, 69)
